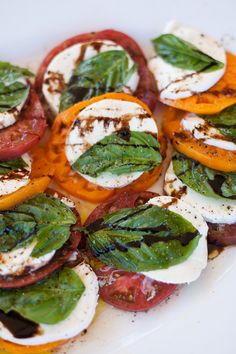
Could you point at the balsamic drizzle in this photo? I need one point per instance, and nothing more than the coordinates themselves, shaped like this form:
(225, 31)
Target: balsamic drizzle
(19, 326)
(148, 239)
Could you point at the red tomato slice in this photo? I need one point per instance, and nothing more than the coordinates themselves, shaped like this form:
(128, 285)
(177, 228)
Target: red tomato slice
(146, 90)
(20, 137)
(131, 291)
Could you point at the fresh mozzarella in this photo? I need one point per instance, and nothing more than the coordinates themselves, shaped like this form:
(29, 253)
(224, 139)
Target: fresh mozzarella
(8, 118)
(109, 114)
(174, 83)
(61, 67)
(213, 210)
(75, 323)
(201, 130)
(190, 269)
(10, 185)
(15, 262)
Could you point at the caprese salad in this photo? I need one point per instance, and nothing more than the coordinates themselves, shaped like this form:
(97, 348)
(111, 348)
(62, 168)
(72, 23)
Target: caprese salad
(106, 147)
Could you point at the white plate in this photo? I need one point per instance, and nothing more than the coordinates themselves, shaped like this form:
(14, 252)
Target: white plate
(201, 317)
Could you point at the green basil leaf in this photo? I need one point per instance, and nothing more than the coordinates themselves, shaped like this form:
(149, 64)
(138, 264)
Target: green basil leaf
(142, 239)
(225, 121)
(119, 153)
(208, 182)
(49, 301)
(12, 165)
(12, 90)
(105, 72)
(183, 54)
(42, 218)
(14, 229)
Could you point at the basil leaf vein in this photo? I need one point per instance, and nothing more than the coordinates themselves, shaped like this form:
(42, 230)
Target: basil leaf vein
(142, 239)
(119, 153)
(183, 54)
(105, 72)
(49, 301)
(206, 181)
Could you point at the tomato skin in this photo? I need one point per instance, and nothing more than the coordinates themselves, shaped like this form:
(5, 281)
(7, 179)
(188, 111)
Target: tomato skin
(126, 199)
(131, 291)
(23, 135)
(146, 90)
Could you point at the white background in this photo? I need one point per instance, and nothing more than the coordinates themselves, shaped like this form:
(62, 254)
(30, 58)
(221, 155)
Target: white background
(201, 317)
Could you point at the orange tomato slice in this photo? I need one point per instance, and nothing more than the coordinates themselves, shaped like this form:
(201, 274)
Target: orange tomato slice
(39, 180)
(218, 97)
(70, 180)
(184, 142)
(13, 348)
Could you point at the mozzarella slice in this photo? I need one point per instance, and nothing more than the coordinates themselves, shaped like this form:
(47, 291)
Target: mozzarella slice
(190, 269)
(8, 118)
(213, 210)
(9, 185)
(18, 260)
(201, 130)
(75, 323)
(100, 119)
(175, 83)
(61, 67)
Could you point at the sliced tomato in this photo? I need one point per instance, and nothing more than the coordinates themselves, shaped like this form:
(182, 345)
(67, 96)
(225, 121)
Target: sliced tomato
(131, 291)
(70, 180)
(23, 135)
(40, 178)
(214, 100)
(222, 234)
(186, 143)
(146, 90)
(127, 199)
(13, 348)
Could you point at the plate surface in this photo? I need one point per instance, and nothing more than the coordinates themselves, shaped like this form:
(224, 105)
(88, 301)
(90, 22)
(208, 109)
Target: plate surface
(200, 318)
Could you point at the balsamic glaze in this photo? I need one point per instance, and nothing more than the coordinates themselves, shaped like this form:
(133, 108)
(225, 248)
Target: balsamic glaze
(149, 239)
(19, 326)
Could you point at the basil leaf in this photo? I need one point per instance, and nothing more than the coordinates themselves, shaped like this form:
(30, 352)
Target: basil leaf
(105, 72)
(211, 183)
(119, 153)
(225, 121)
(12, 90)
(183, 54)
(43, 218)
(142, 239)
(15, 228)
(49, 301)
(12, 165)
